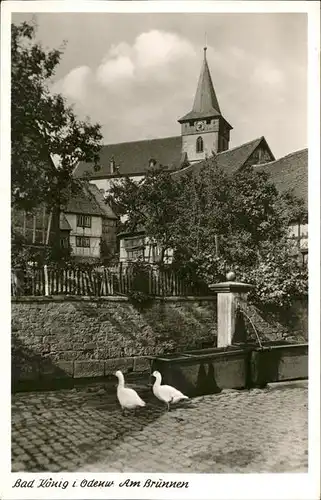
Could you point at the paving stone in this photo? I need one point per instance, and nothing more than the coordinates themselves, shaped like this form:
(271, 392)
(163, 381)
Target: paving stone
(246, 431)
(18, 466)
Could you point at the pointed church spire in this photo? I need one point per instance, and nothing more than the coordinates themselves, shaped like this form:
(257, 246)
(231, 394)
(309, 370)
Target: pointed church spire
(204, 129)
(205, 101)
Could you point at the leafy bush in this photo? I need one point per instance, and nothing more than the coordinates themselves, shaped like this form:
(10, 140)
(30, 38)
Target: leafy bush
(139, 293)
(215, 222)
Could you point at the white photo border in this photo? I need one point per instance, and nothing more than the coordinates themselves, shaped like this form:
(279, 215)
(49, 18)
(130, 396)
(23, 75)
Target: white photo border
(201, 486)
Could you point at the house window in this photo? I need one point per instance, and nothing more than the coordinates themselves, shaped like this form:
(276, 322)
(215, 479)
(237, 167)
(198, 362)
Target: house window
(82, 241)
(135, 248)
(305, 257)
(83, 221)
(135, 254)
(294, 231)
(298, 233)
(199, 145)
(304, 230)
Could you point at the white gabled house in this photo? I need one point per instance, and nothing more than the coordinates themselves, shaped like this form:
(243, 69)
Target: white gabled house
(88, 224)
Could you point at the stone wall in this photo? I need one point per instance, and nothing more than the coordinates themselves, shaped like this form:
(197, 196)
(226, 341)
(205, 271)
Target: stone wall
(77, 337)
(61, 337)
(288, 324)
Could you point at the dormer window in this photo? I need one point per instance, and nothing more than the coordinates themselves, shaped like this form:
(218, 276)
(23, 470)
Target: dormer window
(199, 145)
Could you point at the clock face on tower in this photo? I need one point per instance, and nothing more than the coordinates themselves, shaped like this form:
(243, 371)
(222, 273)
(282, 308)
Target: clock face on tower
(199, 126)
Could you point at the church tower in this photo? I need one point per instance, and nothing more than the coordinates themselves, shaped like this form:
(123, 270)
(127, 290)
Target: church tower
(204, 129)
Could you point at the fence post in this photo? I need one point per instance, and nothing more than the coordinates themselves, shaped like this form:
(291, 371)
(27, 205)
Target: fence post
(33, 281)
(120, 277)
(46, 280)
(150, 282)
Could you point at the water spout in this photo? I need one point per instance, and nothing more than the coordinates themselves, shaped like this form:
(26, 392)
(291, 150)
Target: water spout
(252, 324)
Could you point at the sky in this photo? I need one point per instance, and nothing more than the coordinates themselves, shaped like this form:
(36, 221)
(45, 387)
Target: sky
(136, 74)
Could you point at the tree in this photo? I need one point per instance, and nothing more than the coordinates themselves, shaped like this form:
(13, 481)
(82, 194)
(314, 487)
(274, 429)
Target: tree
(151, 204)
(42, 126)
(278, 277)
(215, 222)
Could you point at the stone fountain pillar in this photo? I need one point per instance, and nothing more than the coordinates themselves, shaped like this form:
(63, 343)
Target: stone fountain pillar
(230, 294)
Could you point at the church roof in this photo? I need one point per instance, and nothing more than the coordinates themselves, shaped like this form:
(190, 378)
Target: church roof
(205, 101)
(231, 159)
(287, 173)
(132, 158)
(290, 173)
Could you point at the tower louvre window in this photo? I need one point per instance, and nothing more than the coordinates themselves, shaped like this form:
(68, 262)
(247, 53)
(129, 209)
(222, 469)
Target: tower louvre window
(199, 145)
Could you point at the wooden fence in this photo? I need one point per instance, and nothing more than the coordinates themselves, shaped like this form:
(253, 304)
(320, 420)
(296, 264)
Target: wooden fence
(103, 282)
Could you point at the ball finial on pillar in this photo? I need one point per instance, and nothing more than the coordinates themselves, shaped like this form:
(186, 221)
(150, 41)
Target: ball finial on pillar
(229, 295)
(230, 276)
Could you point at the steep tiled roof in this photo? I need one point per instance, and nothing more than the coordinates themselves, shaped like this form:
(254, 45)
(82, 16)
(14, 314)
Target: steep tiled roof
(99, 197)
(86, 201)
(133, 157)
(229, 160)
(287, 173)
(290, 172)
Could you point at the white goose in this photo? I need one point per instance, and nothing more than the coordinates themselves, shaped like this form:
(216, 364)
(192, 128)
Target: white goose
(128, 398)
(166, 393)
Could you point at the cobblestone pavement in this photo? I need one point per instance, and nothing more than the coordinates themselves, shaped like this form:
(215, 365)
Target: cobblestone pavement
(234, 431)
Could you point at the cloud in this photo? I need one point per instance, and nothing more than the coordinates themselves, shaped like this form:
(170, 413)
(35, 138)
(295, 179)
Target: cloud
(268, 74)
(154, 60)
(126, 89)
(139, 90)
(75, 84)
(114, 70)
(158, 49)
(233, 61)
(156, 55)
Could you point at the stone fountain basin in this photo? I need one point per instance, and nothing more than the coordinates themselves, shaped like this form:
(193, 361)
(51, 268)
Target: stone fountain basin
(242, 366)
(279, 362)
